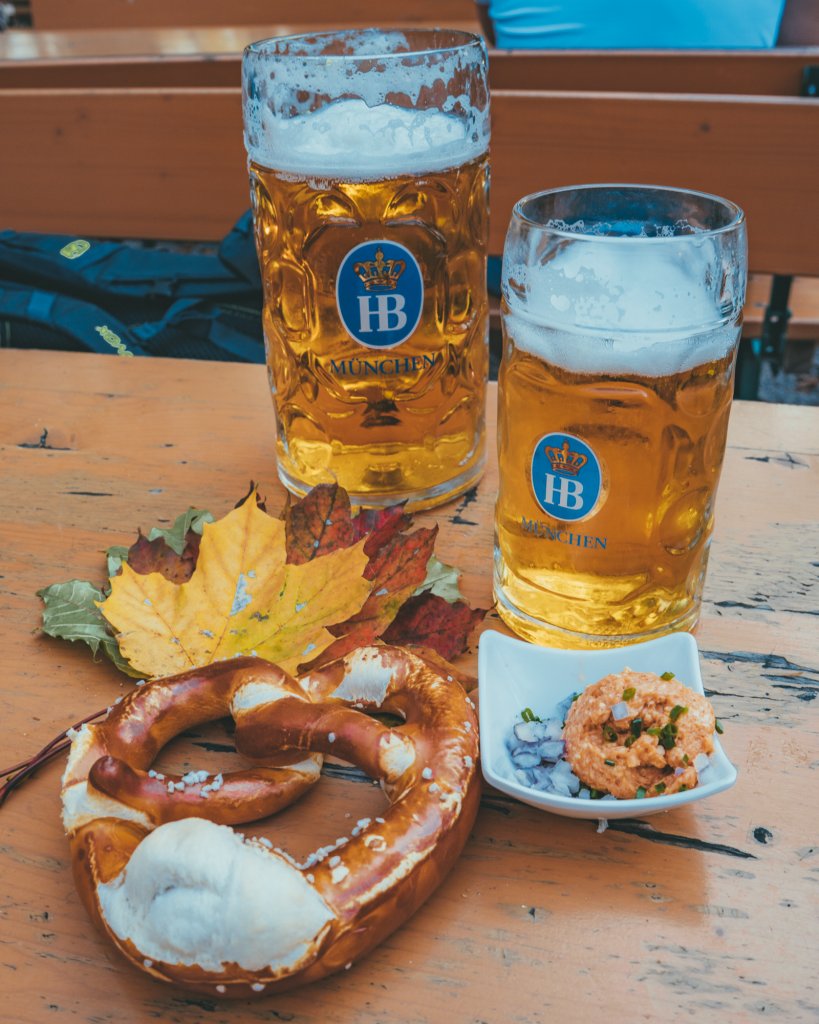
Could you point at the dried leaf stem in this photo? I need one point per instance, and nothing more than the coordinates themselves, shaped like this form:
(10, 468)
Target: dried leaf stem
(17, 774)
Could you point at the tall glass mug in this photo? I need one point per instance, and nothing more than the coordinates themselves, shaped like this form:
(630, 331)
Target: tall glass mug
(621, 316)
(368, 168)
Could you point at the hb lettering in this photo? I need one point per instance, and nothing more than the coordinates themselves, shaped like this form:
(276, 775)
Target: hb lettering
(386, 310)
(563, 491)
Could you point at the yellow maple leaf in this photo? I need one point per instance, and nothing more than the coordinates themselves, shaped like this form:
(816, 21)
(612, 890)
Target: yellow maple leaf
(241, 599)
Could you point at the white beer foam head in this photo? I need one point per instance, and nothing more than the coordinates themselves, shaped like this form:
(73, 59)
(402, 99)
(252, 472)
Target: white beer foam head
(319, 115)
(194, 893)
(641, 306)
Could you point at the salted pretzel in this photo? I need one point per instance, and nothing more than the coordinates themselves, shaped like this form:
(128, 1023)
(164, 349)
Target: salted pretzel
(192, 902)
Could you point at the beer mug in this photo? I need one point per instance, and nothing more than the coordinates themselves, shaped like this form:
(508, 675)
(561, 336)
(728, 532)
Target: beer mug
(368, 165)
(621, 315)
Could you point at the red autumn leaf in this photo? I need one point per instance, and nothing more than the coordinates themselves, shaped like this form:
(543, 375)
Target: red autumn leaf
(429, 621)
(381, 524)
(147, 556)
(318, 524)
(396, 571)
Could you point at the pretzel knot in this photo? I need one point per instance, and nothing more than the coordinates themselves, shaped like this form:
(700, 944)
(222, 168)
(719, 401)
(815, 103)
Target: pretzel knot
(190, 901)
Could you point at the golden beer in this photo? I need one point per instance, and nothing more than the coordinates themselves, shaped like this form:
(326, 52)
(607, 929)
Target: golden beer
(615, 389)
(386, 423)
(370, 213)
(639, 564)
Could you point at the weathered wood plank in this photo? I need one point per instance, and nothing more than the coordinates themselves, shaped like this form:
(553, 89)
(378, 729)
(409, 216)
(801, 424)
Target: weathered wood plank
(130, 14)
(542, 915)
(160, 59)
(169, 163)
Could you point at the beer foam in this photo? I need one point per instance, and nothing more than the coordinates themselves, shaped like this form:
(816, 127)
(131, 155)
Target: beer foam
(621, 308)
(655, 354)
(351, 140)
(364, 104)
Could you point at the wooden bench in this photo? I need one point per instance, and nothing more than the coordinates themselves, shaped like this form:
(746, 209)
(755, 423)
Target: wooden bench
(211, 57)
(94, 14)
(130, 158)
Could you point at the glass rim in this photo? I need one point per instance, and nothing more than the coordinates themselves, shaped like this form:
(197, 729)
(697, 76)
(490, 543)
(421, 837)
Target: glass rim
(737, 213)
(461, 40)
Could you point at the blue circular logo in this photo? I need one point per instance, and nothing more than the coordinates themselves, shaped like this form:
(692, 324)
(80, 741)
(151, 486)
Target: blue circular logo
(566, 477)
(379, 293)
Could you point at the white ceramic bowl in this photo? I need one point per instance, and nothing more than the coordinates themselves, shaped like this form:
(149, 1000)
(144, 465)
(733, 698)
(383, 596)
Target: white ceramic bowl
(514, 674)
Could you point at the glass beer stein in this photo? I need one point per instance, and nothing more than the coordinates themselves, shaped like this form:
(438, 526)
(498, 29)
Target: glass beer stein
(368, 167)
(621, 316)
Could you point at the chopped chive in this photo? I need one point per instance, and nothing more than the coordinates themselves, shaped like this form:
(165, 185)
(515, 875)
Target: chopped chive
(636, 727)
(629, 740)
(654, 730)
(574, 697)
(529, 716)
(718, 726)
(641, 792)
(667, 676)
(668, 734)
(609, 733)
(609, 762)
(685, 759)
(682, 788)
(628, 693)
(596, 794)
(676, 711)
(660, 787)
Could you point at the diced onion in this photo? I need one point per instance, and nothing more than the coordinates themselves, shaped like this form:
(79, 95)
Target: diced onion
(701, 761)
(619, 711)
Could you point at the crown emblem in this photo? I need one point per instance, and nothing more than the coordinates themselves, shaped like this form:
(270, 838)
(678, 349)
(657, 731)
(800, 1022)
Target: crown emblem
(564, 460)
(380, 273)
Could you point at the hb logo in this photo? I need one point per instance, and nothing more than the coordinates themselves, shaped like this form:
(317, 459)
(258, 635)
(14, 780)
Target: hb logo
(566, 477)
(379, 293)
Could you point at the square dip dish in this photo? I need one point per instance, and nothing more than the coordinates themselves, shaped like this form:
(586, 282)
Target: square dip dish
(514, 674)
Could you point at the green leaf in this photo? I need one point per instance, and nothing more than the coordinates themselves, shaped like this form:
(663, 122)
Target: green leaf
(194, 519)
(115, 556)
(71, 614)
(441, 580)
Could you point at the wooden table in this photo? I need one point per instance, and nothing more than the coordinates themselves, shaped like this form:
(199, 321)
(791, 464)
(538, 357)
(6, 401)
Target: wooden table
(706, 913)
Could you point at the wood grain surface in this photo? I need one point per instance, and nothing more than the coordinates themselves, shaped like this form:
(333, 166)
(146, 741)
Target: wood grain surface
(170, 163)
(203, 40)
(706, 913)
(134, 14)
(160, 58)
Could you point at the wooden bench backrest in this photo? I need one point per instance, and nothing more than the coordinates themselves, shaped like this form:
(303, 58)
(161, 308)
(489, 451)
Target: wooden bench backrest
(93, 14)
(730, 72)
(169, 163)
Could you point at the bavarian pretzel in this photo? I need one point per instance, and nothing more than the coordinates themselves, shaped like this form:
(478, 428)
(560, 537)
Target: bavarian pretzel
(188, 900)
